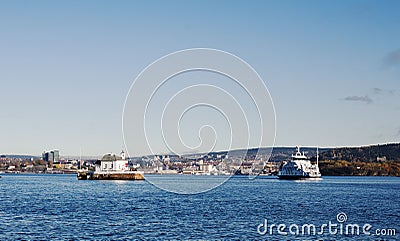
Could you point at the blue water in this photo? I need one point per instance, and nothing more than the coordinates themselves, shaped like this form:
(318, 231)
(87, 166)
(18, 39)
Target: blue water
(59, 207)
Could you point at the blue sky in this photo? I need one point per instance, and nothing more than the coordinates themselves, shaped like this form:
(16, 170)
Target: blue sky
(332, 67)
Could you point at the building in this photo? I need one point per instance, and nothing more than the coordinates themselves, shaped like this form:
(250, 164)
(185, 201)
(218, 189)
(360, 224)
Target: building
(112, 163)
(205, 167)
(51, 156)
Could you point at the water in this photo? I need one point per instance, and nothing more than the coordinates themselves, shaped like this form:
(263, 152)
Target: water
(59, 207)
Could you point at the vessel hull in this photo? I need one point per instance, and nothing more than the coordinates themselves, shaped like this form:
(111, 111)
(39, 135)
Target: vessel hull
(293, 177)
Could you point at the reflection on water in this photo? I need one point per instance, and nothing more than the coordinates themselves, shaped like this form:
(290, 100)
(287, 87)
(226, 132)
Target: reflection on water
(121, 182)
(319, 179)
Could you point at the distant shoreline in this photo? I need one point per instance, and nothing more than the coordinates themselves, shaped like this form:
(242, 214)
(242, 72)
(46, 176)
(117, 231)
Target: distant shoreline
(153, 174)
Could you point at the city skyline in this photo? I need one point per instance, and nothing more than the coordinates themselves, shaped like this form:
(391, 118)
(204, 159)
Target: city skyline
(67, 67)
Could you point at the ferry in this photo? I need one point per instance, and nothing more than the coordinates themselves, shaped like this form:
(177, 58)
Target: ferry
(300, 167)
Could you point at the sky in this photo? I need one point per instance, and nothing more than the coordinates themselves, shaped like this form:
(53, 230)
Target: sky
(332, 68)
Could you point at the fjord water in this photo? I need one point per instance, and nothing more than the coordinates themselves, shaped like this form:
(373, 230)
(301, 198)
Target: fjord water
(59, 207)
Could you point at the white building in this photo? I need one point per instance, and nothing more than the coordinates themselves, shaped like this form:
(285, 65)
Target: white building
(112, 163)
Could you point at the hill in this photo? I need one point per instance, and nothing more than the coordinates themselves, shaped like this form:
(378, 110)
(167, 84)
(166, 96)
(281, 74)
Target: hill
(375, 160)
(385, 152)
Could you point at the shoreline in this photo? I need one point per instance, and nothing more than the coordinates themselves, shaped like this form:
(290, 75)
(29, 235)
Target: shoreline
(179, 174)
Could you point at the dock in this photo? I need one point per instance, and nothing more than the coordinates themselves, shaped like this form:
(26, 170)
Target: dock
(128, 175)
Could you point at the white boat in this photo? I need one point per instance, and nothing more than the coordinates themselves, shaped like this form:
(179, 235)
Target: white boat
(299, 167)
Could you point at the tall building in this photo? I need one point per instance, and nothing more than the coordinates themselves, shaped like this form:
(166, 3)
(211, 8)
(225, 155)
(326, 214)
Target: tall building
(51, 156)
(56, 156)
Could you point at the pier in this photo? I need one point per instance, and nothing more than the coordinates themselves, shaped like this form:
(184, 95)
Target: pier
(129, 175)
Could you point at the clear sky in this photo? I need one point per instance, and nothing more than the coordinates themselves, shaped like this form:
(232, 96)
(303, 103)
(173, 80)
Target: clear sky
(332, 67)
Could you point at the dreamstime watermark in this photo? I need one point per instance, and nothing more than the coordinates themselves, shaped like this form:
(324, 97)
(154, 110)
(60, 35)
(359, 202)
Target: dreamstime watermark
(338, 227)
(164, 109)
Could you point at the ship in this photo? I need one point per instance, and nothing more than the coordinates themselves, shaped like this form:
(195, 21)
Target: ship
(112, 167)
(299, 167)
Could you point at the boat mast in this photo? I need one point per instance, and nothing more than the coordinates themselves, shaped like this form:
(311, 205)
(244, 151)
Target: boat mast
(80, 158)
(317, 155)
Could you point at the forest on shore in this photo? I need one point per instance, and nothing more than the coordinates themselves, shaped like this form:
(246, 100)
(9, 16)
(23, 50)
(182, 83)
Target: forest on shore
(375, 160)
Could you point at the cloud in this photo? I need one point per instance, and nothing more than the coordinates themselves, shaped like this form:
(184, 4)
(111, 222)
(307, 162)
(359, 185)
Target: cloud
(377, 91)
(365, 99)
(398, 132)
(392, 58)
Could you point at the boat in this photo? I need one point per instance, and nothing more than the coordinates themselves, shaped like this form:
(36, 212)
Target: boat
(299, 167)
(112, 167)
